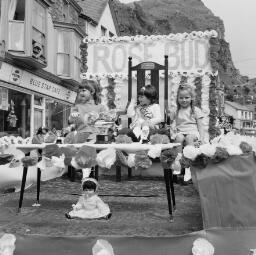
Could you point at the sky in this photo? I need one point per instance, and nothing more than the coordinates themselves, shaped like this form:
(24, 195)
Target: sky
(240, 30)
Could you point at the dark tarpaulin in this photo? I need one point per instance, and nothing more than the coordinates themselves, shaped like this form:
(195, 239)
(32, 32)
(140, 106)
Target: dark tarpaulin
(225, 241)
(228, 192)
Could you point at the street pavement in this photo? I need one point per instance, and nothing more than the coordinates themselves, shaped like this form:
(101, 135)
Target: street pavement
(139, 208)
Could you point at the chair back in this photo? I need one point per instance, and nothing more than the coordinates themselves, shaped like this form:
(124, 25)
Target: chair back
(154, 70)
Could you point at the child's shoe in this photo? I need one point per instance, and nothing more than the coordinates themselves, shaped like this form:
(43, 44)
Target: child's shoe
(107, 217)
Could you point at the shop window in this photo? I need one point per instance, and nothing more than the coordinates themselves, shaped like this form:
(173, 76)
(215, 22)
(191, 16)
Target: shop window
(56, 114)
(15, 113)
(68, 54)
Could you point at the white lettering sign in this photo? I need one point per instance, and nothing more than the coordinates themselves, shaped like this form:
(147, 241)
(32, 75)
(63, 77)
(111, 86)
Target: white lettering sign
(186, 55)
(32, 82)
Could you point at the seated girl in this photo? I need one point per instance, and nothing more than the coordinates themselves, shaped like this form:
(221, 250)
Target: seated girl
(187, 121)
(89, 205)
(87, 108)
(86, 111)
(146, 116)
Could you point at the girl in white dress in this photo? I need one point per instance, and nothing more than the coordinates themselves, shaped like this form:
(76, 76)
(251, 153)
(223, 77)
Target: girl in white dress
(89, 205)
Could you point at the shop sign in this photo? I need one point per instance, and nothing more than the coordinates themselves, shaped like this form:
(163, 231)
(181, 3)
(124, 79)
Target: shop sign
(32, 82)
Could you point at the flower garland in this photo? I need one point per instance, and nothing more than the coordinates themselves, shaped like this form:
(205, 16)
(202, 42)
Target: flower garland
(111, 93)
(213, 129)
(179, 37)
(219, 149)
(198, 91)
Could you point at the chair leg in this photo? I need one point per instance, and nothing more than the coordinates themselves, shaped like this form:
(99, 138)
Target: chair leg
(167, 185)
(96, 172)
(118, 173)
(129, 172)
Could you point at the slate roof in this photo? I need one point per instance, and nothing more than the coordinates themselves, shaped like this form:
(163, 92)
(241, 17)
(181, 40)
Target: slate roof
(238, 106)
(93, 8)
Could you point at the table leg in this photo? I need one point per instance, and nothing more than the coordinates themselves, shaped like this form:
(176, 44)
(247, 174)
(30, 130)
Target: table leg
(38, 185)
(167, 185)
(129, 172)
(172, 190)
(23, 182)
(118, 173)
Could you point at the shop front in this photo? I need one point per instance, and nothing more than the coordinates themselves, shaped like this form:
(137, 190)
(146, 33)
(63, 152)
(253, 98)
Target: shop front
(28, 102)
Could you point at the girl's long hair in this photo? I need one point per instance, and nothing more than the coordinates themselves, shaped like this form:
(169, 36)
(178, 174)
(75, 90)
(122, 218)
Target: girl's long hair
(191, 91)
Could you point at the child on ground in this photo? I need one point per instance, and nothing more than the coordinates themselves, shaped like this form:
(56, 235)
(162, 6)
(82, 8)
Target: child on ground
(145, 116)
(89, 205)
(188, 121)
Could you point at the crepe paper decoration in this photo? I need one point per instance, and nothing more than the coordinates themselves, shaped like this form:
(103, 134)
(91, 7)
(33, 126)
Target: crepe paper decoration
(5, 158)
(123, 139)
(86, 157)
(106, 158)
(51, 150)
(159, 139)
(102, 247)
(202, 247)
(7, 244)
(29, 161)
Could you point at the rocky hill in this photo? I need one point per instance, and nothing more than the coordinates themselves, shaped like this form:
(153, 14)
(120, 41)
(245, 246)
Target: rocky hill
(176, 16)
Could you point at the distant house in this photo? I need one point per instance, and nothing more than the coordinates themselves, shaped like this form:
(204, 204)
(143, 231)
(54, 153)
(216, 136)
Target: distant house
(252, 107)
(100, 18)
(242, 115)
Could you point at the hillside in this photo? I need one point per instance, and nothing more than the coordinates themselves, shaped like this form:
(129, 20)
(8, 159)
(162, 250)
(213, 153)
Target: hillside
(176, 16)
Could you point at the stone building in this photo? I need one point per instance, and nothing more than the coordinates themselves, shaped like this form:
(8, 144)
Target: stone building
(40, 59)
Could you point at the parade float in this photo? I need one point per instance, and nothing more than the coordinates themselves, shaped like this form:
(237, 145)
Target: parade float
(223, 170)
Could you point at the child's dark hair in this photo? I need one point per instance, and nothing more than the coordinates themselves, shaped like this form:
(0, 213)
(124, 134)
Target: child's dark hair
(42, 130)
(89, 185)
(150, 92)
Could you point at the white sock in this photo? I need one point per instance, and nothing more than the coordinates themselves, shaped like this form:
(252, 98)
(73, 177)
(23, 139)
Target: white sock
(187, 175)
(86, 172)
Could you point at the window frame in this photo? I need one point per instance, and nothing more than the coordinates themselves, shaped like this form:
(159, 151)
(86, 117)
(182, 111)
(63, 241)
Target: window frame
(74, 35)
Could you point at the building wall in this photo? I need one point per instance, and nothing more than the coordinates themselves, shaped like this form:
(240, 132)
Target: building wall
(106, 21)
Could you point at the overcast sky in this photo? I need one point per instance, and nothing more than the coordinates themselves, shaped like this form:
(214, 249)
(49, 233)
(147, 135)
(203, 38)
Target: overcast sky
(240, 26)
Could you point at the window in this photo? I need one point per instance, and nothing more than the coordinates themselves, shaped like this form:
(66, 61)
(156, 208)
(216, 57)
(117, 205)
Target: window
(63, 53)
(103, 31)
(38, 30)
(245, 115)
(68, 54)
(77, 61)
(16, 17)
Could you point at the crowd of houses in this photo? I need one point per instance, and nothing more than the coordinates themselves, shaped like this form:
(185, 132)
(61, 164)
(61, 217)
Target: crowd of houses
(40, 58)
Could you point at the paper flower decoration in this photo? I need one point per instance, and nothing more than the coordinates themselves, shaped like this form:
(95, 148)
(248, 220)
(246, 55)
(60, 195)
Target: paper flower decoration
(106, 158)
(45, 163)
(191, 152)
(220, 154)
(159, 139)
(245, 147)
(50, 137)
(168, 156)
(51, 150)
(123, 139)
(142, 160)
(202, 247)
(131, 160)
(7, 244)
(69, 152)
(155, 151)
(102, 247)
(85, 157)
(37, 139)
(121, 158)
(5, 158)
(29, 161)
